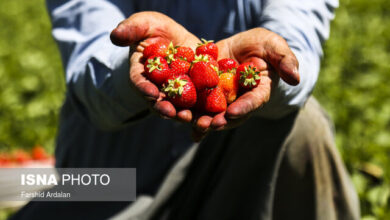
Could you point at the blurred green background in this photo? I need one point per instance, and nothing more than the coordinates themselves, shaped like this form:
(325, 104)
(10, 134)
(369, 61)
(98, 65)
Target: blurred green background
(352, 87)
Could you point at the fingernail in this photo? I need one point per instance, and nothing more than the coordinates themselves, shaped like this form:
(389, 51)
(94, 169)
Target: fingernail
(296, 71)
(296, 74)
(120, 28)
(116, 36)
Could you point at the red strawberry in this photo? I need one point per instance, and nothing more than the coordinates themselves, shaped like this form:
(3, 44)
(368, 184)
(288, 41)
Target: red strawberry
(203, 75)
(207, 47)
(208, 59)
(20, 156)
(249, 75)
(185, 53)
(157, 70)
(39, 153)
(226, 65)
(5, 159)
(178, 52)
(156, 49)
(179, 67)
(212, 100)
(180, 91)
(228, 82)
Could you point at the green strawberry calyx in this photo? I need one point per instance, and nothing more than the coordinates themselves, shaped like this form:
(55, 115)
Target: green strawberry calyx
(205, 58)
(154, 64)
(232, 71)
(249, 76)
(172, 50)
(215, 68)
(175, 87)
(201, 57)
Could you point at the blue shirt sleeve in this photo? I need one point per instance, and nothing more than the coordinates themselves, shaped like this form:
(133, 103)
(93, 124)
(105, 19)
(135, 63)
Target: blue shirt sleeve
(304, 24)
(97, 72)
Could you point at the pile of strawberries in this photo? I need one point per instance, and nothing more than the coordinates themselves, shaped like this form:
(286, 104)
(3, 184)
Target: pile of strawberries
(195, 79)
(19, 156)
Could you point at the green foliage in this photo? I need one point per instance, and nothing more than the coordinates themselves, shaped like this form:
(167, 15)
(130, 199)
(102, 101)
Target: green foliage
(6, 213)
(31, 79)
(353, 88)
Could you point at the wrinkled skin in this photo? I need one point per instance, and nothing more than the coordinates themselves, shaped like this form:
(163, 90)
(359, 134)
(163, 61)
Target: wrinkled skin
(139, 31)
(265, 48)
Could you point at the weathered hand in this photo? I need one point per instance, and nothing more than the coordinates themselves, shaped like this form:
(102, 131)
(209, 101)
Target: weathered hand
(140, 30)
(271, 54)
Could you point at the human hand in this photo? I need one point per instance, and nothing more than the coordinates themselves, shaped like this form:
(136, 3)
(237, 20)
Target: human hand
(271, 54)
(139, 31)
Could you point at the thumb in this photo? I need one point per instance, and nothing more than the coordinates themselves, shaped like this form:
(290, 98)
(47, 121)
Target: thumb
(288, 70)
(149, 26)
(130, 31)
(279, 54)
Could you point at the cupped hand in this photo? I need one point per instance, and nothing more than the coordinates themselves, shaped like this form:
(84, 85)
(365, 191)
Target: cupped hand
(272, 55)
(139, 31)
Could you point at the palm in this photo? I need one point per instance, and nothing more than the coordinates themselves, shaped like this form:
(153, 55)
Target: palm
(269, 52)
(264, 48)
(141, 30)
(245, 52)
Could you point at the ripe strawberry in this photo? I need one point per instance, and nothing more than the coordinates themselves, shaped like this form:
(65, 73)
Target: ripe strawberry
(249, 75)
(5, 159)
(212, 100)
(156, 49)
(20, 156)
(39, 153)
(226, 65)
(207, 47)
(185, 53)
(179, 67)
(208, 59)
(228, 82)
(157, 70)
(203, 75)
(180, 91)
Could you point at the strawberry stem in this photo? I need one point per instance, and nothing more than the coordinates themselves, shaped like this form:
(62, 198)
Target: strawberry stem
(154, 64)
(175, 87)
(171, 53)
(204, 42)
(201, 57)
(249, 76)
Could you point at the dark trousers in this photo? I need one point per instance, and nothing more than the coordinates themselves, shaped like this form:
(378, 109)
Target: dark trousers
(264, 169)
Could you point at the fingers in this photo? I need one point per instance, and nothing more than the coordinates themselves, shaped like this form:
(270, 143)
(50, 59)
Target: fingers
(218, 121)
(245, 104)
(203, 123)
(149, 90)
(129, 32)
(138, 31)
(288, 70)
(184, 116)
(224, 49)
(262, 43)
(165, 109)
(201, 127)
(251, 100)
(279, 54)
(140, 26)
(152, 27)
(254, 98)
(138, 80)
